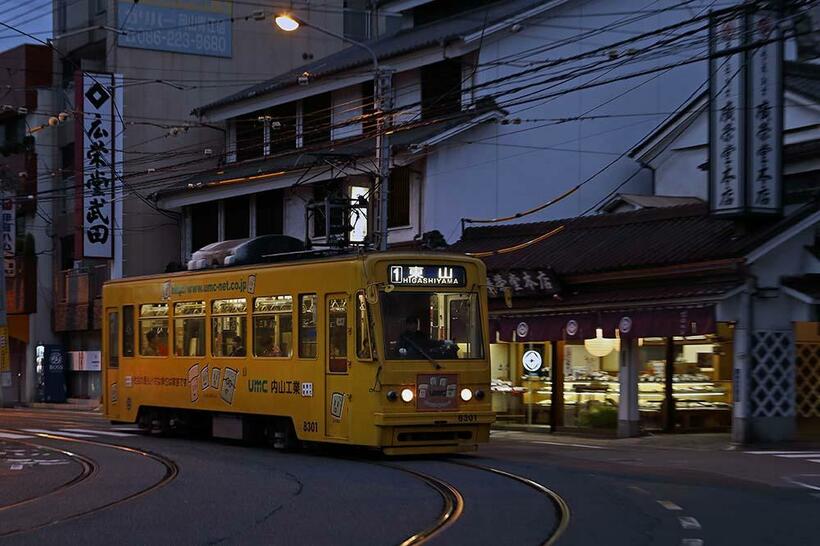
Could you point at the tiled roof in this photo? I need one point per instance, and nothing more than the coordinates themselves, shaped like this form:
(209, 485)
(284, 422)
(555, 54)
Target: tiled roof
(803, 78)
(630, 240)
(406, 41)
(807, 284)
(628, 294)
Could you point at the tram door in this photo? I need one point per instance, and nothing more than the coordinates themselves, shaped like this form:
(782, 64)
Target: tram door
(112, 364)
(337, 378)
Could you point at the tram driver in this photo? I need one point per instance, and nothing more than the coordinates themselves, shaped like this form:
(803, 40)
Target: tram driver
(412, 341)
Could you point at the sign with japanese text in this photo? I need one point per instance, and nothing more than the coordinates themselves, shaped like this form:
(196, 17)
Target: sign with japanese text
(102, 122)
(523, 282)
(194, 27)
(427, 275)
(765, 114)
(9, 227)
(726, 114)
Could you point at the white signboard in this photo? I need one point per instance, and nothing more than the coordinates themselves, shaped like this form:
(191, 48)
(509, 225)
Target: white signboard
(85, 361)
(532, 361)
(765, 115)
(102, 123)
(9, 226)
(726, 119)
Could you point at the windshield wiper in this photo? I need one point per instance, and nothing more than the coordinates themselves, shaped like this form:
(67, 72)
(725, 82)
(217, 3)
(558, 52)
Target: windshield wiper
(436, 365)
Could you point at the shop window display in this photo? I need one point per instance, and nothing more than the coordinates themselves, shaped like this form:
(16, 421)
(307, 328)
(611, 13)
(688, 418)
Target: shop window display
(701, 386)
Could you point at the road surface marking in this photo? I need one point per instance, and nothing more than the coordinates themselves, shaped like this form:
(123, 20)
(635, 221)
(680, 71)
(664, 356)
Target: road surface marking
(638, 489)
(16, 467)
(691, 542)
(103, 432)
(777, 452)
(669, 505)
(814, 460)
(57, 433)
(793, 481)
(688, 522)
(566, 445)
(799, 456)
(10, 436)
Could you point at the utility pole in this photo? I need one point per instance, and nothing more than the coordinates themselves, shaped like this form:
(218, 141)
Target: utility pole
(383, 104)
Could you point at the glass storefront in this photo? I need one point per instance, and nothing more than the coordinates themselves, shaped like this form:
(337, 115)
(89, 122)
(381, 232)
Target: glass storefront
(588, 382)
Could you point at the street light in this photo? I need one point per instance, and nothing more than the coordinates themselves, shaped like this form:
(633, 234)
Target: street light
(382, 97)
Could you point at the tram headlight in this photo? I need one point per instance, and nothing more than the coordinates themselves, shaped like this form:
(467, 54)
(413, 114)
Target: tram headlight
(479, 394)
(466, 395)
(392, 396)
(407, 395)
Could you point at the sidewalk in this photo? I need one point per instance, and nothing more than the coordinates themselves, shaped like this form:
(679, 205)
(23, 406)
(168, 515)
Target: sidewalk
(72, 404)
(693, 441)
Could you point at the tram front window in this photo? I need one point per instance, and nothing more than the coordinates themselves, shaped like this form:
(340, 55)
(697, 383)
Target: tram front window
(438, 325)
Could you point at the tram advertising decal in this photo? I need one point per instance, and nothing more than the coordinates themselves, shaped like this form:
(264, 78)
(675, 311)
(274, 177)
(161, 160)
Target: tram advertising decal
(235, 285)
(427, 275)
(437, 392)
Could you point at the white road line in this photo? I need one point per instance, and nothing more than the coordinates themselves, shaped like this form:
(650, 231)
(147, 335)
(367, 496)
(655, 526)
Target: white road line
(10, 436)
(669, 505)
(688, 522)
(16, 467)
(103, 432)
(57, 433)
(566, 445)
(793, 481)
(691, 542)
(777, 452)
(798, 456)
(814, 460)
(638, 489)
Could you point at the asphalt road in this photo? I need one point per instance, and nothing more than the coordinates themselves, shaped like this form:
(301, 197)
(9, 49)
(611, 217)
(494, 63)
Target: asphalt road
(73, 478)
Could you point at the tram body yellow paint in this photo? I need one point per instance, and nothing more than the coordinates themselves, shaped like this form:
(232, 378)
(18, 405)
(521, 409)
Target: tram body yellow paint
(329, 398)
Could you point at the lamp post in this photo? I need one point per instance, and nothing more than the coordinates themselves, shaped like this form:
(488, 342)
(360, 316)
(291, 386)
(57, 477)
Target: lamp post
(382, 99)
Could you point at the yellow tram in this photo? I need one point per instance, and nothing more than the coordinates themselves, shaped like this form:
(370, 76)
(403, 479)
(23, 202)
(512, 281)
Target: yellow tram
(383, 350)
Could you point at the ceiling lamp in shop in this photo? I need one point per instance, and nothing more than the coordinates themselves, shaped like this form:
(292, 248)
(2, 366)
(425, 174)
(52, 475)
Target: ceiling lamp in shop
(599, 345)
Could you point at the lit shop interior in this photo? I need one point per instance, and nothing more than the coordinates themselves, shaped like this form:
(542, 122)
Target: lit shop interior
(695, 372)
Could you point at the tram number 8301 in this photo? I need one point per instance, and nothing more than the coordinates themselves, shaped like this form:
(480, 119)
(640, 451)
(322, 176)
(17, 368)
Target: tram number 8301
(468, 418)
(310, 426)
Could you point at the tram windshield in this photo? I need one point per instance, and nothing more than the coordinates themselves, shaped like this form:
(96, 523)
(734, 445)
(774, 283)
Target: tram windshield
(437, 325)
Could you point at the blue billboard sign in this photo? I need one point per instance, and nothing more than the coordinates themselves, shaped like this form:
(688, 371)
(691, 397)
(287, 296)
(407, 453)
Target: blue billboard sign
(194, 27)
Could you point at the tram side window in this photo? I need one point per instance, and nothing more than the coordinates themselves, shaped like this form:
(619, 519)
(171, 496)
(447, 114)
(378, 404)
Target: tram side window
(113, 345)
(273, 326)
(154, 329)
(307, 326)
(229, 327)
(364, 347)
(189, 328)
(128, 330)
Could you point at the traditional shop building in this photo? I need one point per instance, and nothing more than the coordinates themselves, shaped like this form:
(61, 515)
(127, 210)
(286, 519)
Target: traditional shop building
(659, 318)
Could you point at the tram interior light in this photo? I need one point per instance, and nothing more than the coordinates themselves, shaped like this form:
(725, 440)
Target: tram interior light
(407, 395)
(466, 395)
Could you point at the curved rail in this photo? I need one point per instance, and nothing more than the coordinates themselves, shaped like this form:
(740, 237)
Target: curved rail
(171, 472)
(89, 468)
(561, 506)
(453, 506)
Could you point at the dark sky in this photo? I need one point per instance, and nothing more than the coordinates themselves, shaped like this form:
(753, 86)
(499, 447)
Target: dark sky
(32, 16)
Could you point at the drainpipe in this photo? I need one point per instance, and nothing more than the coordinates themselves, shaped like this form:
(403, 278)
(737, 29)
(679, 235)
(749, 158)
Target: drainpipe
(741, 405)
(651, 170)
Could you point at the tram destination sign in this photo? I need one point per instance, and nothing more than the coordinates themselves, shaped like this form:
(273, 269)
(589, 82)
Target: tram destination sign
(427, 275)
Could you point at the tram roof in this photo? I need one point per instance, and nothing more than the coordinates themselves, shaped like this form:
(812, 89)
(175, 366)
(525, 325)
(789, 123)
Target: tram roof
(349, 257)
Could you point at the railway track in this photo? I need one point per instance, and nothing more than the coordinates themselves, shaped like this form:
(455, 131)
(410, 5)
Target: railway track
(89, 468)
(454, 503)
(171, 472)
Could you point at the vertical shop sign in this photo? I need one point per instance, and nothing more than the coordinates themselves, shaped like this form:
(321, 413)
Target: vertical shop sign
(726, 108)
(765, 114)
(9, 226)
(101, 123)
